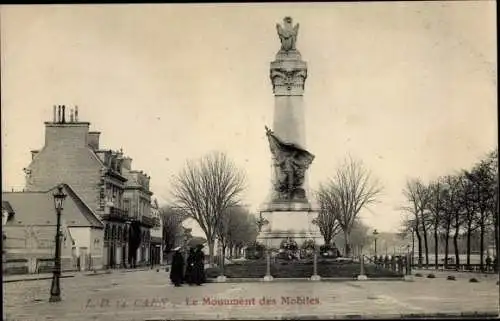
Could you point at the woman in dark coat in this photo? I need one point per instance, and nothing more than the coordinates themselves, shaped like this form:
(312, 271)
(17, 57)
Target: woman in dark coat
(199, 266)
(177, 269)
(189, 277)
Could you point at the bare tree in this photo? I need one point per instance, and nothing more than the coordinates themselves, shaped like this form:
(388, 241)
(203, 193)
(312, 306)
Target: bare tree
(418, 198)
(236, 228)
(172, 226)
(484, 188)
(354, 190)
(469, 205)
(327, 221)
(435, 207)
(205, 189)
(359, 235)
(453, 211)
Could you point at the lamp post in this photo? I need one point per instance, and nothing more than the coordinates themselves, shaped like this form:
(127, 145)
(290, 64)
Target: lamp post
(315, 276)
(55, 289)
(375, 233)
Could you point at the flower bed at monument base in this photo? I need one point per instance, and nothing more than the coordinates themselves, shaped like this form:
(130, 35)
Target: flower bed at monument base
(300, 269)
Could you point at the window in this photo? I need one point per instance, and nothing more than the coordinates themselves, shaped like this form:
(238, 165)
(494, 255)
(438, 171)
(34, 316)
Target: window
(126, 205)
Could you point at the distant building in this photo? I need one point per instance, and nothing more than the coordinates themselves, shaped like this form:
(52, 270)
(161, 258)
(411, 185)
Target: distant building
(29, 228)
(104, 181)
(137, 203)
(156, 234)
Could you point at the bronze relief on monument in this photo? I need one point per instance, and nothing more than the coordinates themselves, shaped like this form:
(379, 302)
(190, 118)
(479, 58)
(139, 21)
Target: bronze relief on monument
(291, 162)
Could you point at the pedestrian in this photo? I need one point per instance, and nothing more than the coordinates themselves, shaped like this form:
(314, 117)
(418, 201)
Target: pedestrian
(495, 264)
(488, 263)
(177, 268)
(199, 266)
(189, 276)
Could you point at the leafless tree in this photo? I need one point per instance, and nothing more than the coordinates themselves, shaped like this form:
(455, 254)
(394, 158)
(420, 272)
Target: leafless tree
(469, 206)
(354, 189)
(236, 228)
(485, 191)
(205, 189)
(329, 210)
(360, 236)
(172, 226)
(418, 198)
(452, 213)
(436, 214)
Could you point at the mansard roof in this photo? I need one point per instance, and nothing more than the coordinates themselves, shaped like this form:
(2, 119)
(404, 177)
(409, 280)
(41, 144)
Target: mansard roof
(37, 208)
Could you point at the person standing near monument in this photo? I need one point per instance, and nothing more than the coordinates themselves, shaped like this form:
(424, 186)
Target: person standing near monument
(177, 268)
(199, 266)
(189, 276)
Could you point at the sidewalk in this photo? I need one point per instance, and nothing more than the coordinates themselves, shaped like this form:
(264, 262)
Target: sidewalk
(47, 276)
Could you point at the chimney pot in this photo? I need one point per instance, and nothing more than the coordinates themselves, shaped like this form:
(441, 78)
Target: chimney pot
(76, 114)
(59, 109)
(55, 114)
(71, 115)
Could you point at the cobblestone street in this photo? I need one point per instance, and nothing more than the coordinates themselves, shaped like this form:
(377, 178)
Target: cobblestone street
(147, 295)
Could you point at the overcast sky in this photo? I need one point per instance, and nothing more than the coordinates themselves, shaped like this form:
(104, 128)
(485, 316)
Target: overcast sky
(408, 88)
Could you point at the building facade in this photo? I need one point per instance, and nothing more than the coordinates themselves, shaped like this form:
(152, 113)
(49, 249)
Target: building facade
(101, 177)
(29, 230)
(137, 205)
(156, 234)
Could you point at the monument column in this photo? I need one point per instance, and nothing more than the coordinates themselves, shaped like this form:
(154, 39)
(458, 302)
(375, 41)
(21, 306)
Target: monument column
(288, 73)
(288, 213)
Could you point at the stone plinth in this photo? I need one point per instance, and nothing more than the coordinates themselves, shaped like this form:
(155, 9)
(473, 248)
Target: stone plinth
(289, 223)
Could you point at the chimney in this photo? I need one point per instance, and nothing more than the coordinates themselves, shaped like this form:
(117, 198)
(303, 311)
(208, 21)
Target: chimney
(127, 163)
(67, 135)
(93, 140)
(34, 153)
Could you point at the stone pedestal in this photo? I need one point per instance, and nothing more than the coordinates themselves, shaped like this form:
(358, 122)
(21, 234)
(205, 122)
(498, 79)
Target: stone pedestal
(268, 278)
(292, 221)
(315, 278)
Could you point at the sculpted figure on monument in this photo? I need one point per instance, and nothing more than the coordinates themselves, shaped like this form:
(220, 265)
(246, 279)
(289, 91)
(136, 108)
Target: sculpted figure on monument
(288, 34)
(291, 163)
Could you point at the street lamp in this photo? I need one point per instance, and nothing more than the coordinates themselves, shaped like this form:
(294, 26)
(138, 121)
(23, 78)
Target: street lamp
(409, 259)
(55, 289)
(375, 233)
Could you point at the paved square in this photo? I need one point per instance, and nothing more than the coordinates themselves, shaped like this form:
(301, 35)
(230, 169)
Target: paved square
(148, 295)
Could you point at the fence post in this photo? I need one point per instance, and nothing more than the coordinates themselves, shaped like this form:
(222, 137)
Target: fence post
(221, 277)
(268, 276)
(362, 275)
(315, 276)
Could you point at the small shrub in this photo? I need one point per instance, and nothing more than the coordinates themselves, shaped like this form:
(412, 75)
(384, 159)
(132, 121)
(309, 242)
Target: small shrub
(451, 278)
(418, 275)
(473, 280)
(431, 276)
